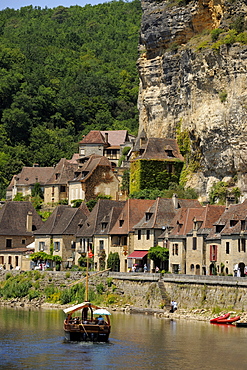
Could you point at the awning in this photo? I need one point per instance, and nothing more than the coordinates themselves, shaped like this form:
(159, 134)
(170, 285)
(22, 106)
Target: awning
(138, 254)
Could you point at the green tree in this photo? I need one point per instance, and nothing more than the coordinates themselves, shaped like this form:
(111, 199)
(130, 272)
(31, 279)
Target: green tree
(159, 255)
(113, 261)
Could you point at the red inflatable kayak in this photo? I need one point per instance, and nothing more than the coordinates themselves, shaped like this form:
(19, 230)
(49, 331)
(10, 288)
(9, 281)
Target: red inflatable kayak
(223, 317)
(228, 321)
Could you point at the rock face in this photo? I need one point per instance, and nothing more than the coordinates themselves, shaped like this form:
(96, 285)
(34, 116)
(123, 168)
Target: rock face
(201, 89)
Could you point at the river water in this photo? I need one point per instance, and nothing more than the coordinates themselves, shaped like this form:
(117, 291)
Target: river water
(33, 339)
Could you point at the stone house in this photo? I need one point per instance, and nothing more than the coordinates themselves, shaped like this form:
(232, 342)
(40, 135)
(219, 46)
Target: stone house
(187, 239)
(58, 233)
(56, 188)
(226, 243)
(105, 143)
(156, 220)
(18, 221)
(24, 181)
(159, 156)
(94, 177)
(122, 233)
(94, 234)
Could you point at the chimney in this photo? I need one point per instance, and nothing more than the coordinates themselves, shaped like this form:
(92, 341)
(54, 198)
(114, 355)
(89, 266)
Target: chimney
(29, 221)
(106, 138)
(175, 201)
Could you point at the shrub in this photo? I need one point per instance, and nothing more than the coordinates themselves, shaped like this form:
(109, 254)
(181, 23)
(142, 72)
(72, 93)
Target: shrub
(215, 34)
(100, 288)
(67, 275)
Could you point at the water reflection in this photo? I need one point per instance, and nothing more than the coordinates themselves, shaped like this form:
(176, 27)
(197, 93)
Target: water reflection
(34, 340)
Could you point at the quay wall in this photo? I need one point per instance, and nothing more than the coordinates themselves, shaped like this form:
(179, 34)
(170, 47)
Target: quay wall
(155, 291)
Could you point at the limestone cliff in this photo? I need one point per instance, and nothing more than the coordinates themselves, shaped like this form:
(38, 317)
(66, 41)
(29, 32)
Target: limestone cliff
(187, 79)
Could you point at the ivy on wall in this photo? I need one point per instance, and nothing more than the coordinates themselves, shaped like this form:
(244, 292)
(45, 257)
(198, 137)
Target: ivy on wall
(151, 174)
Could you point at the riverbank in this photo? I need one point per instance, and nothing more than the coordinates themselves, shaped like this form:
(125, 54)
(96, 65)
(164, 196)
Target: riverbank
(199, 314)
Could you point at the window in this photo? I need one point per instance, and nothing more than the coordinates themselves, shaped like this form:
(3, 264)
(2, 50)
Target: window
(192, 267)
(57, 175)
(175, 249)
(62, 189)
(23, 241)
(148, 234)
(57, 246)
(139, 234)
(219, 228)
(8, 243)
(121, 222)
(233, 222)
(242, 225)
(103, 225)
(227, 247)
(243, 245)
(148, 216)
(101, 245)
(41, 246)
(82, 151)
(213, 253)
(194, 243)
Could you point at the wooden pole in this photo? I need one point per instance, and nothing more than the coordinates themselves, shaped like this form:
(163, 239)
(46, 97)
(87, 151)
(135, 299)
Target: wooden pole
(79, 281)
(86, 294)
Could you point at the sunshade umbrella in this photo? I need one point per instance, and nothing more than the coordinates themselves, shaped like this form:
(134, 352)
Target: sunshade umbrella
(101, 311)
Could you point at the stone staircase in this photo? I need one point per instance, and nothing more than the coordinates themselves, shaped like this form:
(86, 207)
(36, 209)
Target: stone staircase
(164, 295)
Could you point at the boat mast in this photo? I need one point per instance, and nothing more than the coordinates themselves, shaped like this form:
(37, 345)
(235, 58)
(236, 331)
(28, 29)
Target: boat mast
(86, 293)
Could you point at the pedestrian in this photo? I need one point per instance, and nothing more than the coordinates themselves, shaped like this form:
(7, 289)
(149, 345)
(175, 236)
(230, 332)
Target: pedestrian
(145, 268)
(157, 269)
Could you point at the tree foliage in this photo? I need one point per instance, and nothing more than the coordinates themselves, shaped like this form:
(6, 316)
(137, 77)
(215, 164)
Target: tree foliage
(113, 261)
(158, 254)
(63, 72)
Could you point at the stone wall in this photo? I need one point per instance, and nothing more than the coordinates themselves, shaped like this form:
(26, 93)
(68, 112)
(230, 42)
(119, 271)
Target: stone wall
(154, 291)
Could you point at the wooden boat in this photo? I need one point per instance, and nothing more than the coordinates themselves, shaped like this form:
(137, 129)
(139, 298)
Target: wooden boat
(87, 327)
(227, 321)
(223, 317)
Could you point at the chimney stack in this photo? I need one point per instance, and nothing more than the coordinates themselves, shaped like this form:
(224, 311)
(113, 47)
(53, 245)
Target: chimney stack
(29, 221)
(175, 201)
(106, 137)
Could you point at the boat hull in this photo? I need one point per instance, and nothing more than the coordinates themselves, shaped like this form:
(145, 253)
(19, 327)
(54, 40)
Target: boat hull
(227, 321)
(85, 337)
(241, 324)
(223, 317)
(85, 333)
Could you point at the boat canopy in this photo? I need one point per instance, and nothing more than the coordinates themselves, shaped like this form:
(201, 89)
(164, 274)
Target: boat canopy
(79, 307)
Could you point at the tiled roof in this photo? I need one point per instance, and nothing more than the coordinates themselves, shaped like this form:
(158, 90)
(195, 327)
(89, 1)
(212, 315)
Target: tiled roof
(84, 172)
(115, 138)
(64, 220)
(62, 173)
(162, 212)
(132, 212)
(31, 175)
(182, 223)
(157, 148)
(13, 218)
(93, 224)
(235, 212)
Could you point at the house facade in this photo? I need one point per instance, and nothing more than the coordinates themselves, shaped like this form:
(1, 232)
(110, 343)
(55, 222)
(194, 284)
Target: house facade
(94, 177)
(18, 221)
(24, 181)
(57, 234)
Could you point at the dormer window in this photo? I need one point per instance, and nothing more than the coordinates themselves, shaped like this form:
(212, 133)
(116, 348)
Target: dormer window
(121, 222)
(148, 215)
(242, 225)
(57, 175)
(169, 153)
(219, 228)
(103, 225)
(233, 223)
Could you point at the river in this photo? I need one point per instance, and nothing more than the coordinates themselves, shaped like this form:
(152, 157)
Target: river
(33, 339)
